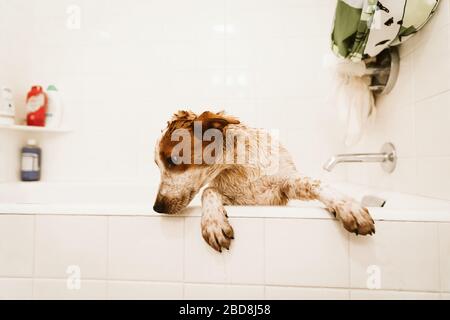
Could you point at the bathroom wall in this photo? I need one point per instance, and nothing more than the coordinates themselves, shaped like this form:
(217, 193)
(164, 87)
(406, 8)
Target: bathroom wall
(130, 65)
(14, 53)
(415, 116)
(124, 257)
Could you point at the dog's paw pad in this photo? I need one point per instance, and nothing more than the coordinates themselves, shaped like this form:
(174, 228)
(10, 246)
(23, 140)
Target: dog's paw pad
(217, 231)
(355, 218)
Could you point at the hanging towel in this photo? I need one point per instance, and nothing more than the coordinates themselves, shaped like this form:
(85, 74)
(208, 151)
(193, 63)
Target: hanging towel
(364, 28)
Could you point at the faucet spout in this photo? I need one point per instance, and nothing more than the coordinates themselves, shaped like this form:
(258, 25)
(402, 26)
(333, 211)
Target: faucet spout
(387, 157)
(331, 163)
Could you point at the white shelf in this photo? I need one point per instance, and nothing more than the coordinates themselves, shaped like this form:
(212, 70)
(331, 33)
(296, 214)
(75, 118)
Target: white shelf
(34, 129)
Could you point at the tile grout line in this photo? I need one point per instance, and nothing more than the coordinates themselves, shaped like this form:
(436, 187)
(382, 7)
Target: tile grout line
(349, 266)
(432, 96)
(414, 114)
(439, 260)
(246, 285)
(108, 238)
(33, 275)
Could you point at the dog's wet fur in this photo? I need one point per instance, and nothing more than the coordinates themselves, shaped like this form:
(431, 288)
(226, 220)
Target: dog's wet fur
(240, 183)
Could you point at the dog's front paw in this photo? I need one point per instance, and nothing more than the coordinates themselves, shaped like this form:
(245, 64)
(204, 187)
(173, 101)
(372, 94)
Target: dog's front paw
(354, 217)
(216, 230)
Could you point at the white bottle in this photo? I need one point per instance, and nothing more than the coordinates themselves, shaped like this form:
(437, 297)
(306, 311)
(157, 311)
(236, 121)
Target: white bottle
(7, 108)
(53, 115)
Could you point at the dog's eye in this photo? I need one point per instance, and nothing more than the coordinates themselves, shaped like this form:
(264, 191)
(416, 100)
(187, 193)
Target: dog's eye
(172, 161)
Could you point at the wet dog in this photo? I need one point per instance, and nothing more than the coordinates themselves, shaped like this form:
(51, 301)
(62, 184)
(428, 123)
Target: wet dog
(237, 165)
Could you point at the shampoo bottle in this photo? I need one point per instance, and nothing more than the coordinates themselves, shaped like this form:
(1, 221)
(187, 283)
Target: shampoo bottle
(54, 108)
(31, 162)
(36, 106)
(7, 109)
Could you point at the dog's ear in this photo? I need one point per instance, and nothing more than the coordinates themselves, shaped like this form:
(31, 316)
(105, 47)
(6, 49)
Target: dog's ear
(211, 120)
(185, 115)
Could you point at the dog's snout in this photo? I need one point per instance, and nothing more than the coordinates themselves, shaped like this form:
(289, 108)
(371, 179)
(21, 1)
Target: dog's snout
(160, 207)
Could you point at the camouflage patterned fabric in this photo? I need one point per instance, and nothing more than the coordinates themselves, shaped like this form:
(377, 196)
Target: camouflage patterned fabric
(364, 28)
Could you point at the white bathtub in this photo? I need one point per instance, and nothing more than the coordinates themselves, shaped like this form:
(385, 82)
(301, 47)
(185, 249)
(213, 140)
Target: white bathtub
(125, 250)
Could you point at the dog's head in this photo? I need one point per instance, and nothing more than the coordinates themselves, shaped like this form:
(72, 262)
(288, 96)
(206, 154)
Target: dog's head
(187, 155)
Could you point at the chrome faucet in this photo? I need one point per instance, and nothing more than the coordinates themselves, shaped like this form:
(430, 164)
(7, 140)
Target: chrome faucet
(387, 158)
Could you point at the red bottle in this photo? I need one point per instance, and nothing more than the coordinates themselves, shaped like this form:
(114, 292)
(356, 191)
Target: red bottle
(37, 101)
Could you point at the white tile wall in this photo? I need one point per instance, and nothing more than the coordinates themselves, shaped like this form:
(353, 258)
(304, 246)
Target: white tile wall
(293, 293)
(406, 253)
(166, 258)
(65, 241)
(131, 65)
(142, 248)
(222, 292)
(132, 290)
(444, 245)
(414, 116)
(433, 113)
(16, 289)
(392, 295)
(229, 55)
(244, 263)
(10, 143)
(16, 246)
(309, 243)
(50, 289)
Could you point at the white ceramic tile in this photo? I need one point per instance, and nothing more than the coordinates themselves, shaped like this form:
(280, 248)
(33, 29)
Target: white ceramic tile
(403, 179)
(51, 289)
(358, 174)
(292, 293)
(392, 295)
(387, 129)
(243, 264)
(222, 292)
(9, 166)
(444, 246)
(64, 241)
(405, 254)
(432, 65)
(433, 177)
(16, 289)
(432, 130)
(296, 251)
(146, 248)
(403, 92)
(140, 290)
(16, 245)
(259, 23)
(384, 127)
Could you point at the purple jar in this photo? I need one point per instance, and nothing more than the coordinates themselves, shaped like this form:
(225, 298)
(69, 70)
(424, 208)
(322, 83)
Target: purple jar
(31, 162)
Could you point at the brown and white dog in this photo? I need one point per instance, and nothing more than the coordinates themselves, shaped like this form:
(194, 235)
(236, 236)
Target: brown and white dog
(229, 181)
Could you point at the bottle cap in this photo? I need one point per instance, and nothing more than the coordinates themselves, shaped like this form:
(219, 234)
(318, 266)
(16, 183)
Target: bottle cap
(35, 90)
(31, 142)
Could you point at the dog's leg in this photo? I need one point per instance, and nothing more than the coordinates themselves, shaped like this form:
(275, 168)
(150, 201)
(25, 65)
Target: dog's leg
(354, 217)
(216, 230)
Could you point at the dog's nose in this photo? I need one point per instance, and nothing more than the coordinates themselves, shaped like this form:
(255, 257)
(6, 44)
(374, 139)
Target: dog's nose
(160, 207)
